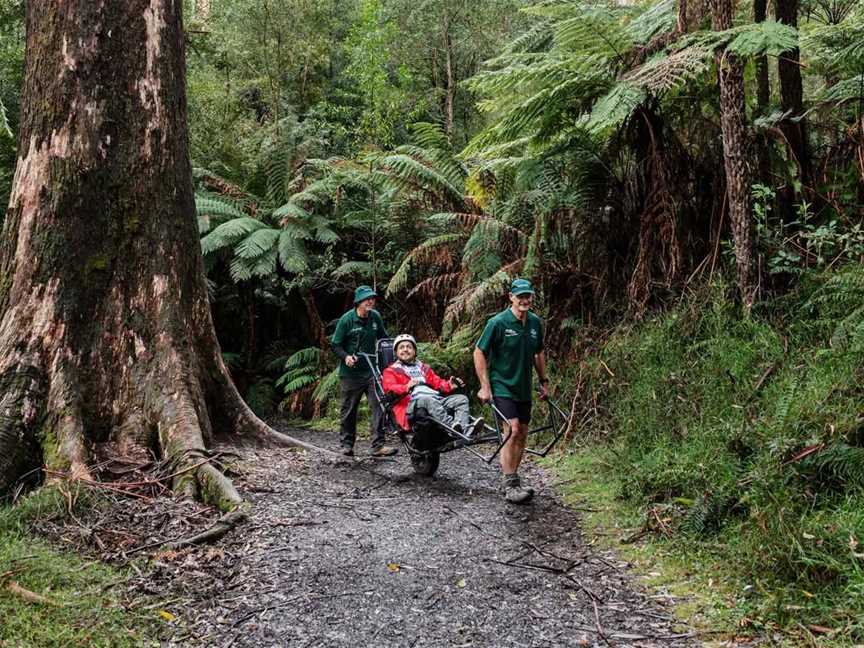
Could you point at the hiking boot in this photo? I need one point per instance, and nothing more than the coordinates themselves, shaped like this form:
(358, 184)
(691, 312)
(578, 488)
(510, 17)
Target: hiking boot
(347, 450)
(514, 492)
(384, 451)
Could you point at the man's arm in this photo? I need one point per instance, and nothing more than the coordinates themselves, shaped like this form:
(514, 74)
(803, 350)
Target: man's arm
(437, 383)
(336, 343)
(481, 367)
(540, 366)
(391, 383)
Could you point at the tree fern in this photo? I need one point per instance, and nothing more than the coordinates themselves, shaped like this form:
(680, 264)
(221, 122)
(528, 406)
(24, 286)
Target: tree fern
(4, 122)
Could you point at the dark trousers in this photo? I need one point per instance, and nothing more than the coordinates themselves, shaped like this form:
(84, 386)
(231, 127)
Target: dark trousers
(352, 391)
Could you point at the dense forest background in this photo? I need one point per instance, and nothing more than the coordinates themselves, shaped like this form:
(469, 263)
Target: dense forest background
(682, 180)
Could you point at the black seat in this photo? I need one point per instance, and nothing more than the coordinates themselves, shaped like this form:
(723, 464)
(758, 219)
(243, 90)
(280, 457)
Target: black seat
(386, 355)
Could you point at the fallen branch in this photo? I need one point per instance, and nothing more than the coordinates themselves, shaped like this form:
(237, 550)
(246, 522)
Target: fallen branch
(31, 597)
(597, 622)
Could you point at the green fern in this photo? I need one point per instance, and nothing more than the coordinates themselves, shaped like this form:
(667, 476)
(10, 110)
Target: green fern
(5, 129)
(839, 464)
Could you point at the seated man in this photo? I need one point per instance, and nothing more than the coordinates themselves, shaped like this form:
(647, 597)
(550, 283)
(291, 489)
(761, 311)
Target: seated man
(420, 387)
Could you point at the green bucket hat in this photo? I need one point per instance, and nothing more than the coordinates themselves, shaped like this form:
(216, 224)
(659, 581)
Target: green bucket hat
(521, 287)
(362, 293)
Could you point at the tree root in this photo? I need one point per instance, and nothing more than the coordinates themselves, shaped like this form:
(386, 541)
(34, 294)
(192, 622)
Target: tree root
(220, 528)
(246, 422)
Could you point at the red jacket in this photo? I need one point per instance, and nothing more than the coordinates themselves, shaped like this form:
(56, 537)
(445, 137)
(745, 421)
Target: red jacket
(395, 381)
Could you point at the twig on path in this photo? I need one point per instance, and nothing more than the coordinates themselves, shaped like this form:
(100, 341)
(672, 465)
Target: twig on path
(599, 627)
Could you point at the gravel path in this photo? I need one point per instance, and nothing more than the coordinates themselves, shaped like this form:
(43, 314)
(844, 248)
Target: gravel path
(370, 555)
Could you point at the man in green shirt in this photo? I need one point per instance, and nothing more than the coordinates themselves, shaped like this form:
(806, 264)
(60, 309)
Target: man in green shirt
(511, 344)
(358, 331)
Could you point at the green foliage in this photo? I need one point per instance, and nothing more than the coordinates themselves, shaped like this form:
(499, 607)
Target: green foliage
(747, 433)
(301, 370)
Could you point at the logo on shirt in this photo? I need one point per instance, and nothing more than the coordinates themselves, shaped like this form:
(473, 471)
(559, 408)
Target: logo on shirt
(510, 332)
(534, 333)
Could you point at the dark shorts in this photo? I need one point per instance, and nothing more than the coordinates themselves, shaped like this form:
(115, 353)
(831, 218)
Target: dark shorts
(512, 409)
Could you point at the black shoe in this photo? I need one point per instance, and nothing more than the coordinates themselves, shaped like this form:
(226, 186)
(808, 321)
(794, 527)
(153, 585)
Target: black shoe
(348, 451)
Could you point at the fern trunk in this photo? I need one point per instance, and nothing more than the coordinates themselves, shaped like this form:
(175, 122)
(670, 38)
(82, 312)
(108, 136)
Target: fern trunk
(737, 147)
(106, 337)
(792, 93)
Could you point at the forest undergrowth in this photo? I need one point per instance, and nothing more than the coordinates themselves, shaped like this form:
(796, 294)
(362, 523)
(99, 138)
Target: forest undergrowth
(735, 446)
(54, 597)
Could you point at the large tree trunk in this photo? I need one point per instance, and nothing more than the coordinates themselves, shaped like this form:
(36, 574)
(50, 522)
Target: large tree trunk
(106, 333)
(792, 93)
(736, 153)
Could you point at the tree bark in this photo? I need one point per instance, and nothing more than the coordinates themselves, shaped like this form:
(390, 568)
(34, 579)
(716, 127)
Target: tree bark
(106, 334)
(792, 93)
(763, 95)
(450, 90)
(737, 146)
(763, 89)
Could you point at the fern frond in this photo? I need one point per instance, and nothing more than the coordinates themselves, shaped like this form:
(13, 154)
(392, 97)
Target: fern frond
(361, 269)
(229, 233)
(257, 243)
(292, 255)
(4, 122)
(306, 356)
(615, 107)
(427, 250)
(663, 73)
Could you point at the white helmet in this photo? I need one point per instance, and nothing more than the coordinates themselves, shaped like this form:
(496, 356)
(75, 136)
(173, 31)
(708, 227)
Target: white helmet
(404, 337)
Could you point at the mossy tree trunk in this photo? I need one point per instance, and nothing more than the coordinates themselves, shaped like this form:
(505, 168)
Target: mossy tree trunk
(106, 334)
(737, 147)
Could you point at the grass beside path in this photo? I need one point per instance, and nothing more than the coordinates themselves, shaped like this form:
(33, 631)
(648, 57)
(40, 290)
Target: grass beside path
(702, 593)
(83, 609)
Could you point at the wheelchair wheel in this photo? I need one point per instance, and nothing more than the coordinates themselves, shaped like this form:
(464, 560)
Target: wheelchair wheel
(426, 464)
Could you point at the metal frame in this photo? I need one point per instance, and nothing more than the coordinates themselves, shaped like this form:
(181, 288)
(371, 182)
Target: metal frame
(556, 420)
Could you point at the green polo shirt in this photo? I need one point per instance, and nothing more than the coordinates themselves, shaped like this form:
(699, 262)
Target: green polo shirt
(510, 347)
(357, 334)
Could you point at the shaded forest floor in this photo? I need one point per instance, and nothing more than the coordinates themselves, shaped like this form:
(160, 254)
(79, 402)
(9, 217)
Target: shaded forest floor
(369, 554)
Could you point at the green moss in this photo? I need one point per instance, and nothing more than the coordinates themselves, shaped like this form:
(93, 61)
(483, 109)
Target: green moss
(97, 262)
(51, 453)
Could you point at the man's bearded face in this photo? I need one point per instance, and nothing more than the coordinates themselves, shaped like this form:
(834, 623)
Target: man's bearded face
(406, 352)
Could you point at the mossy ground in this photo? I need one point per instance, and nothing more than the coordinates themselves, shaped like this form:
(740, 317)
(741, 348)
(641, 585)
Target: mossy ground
(88, 610)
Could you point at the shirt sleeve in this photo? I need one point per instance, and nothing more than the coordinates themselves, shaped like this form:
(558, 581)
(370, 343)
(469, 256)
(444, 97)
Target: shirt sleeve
(338, 340)
(541, 336)
(436, 382)
(488, 338)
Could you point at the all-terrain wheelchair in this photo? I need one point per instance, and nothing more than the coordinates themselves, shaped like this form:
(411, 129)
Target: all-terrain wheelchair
(428, 439)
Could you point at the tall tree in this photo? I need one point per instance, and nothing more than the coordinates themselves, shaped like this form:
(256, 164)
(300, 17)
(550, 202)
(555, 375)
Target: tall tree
(792, 92)
(106, 333)
(737, 146)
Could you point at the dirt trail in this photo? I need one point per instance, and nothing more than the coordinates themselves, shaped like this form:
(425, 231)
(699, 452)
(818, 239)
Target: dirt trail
(370, 555)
